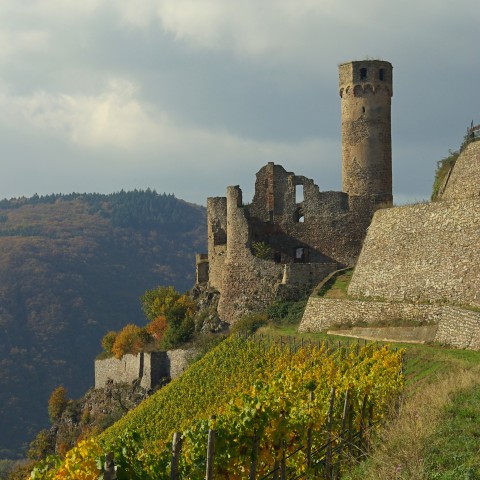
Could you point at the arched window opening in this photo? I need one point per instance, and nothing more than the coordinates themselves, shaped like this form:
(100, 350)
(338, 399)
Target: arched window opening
(299, 216)
(363, 74)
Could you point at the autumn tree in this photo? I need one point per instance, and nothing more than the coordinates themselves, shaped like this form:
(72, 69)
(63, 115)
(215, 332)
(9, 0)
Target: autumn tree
(160, 300)
(131, 339)
(156, 328)
(108, 340)
(57, 403)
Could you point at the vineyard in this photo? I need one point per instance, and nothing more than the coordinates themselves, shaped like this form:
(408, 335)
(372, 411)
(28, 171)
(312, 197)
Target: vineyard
(266, 411)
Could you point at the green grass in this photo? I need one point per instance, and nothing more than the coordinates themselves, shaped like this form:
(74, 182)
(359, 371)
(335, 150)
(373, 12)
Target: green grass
(337, 285)
(453, 450)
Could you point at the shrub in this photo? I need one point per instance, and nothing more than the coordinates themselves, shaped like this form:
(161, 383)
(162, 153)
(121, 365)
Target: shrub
(286, 313)
(250, 323)
(262, 250)
(443, 167)
(42, 445)
(180, 329)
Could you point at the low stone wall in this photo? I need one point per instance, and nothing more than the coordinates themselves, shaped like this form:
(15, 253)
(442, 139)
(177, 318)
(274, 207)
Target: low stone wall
(425, 334)
(321, 313)
(148, 368)
(457, 327)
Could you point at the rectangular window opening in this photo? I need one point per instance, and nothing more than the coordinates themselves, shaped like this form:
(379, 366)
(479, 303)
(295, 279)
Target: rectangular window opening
(299, 194)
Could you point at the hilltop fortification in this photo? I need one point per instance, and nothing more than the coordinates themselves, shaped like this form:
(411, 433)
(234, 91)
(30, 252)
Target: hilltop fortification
(419, 262)
(293, 234)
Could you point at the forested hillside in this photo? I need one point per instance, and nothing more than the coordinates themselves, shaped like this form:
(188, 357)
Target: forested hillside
(73, 267)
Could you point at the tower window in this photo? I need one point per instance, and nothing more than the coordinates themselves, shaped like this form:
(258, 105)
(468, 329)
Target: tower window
(299, 193)
(381, 74)
(363, 74)
(363, 109)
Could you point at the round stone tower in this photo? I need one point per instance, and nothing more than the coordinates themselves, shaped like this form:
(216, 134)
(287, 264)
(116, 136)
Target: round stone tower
(366, 91)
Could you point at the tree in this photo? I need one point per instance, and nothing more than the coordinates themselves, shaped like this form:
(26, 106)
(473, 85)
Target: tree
(42, 445)
(156, 328)
(180, 326)
(108, 340)
(158, 301)
(131, 339)
(57, 403)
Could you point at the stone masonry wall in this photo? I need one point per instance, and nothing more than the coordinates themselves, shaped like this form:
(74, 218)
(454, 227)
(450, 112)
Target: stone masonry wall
(148, 368)
(457, 327)
(464, 181)
(424, 252)
(321, 313)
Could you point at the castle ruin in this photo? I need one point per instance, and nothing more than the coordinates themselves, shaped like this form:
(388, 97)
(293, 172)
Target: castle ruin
(292, 235)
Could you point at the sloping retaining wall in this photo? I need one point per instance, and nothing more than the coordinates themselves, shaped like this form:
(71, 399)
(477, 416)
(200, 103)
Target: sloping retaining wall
(425, 252)
(149, 368)
(457, 327)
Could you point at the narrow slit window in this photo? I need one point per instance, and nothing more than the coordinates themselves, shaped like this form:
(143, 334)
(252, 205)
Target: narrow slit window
(381, 74)
(363, 74)
(299, 194)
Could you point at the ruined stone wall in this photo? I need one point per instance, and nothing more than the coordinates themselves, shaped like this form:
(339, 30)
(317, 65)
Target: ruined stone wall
(217, 238)
(148, 368)
(248, 285)
(126, 369)
(464, 181)
(321, 313)
(424, 252)
(178, 361)
(456, 327)
(330, 225)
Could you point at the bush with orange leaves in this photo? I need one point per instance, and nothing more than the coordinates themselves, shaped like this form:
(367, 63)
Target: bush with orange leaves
(156, 328)
(131, 339)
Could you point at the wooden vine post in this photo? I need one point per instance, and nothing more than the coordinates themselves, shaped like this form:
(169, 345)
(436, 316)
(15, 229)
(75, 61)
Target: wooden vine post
(210, 449)
(328, 454)
(110, 472)
(253, 464)
(343, 432)
(309, 436)
(176, 447)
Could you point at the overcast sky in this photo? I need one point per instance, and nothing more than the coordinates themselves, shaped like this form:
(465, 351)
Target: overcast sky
(189, 96)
